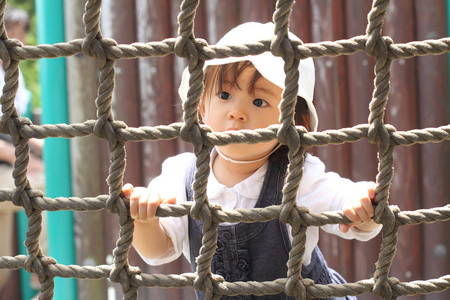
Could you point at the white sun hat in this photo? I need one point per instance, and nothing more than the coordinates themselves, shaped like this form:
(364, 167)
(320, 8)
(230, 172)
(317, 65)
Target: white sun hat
(271, 67)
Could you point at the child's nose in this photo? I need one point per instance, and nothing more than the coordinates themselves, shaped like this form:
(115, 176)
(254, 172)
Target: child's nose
(237, 112)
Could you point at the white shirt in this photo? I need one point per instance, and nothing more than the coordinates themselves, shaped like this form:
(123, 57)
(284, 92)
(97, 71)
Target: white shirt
(319, 191)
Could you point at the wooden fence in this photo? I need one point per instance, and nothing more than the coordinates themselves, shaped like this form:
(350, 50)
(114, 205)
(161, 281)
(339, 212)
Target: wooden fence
(147, 89)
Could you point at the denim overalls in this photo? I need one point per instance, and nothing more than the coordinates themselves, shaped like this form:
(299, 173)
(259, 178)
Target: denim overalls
(256, 251)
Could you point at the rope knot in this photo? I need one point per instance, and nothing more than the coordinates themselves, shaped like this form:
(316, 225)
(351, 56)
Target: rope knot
(297, 287)
(117, 126)
(280, 39)
(123, 277)
(42, 264)
(119, 205)
(206, 284)
(105, 127)
(106, 44)
(38, 264)
(94, 48)
(379, 47)
(379, 134)
(283, 48)
(186, 21)
(5, 47)
(189, 47)
(91, 19)
(23, 197)
(275, 46)
(180, 46)
(375, 20)
(284, 132)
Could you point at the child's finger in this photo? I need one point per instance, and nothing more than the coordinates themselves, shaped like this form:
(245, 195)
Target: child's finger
(127, 189)
(351, 214)
(143, 204)
(368, 207)
(361, 206)
(172, 200)
(371, 193)
(134, 203)
(152, 205)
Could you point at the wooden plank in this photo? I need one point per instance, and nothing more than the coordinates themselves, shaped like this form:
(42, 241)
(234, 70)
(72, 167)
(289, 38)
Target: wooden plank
(118, 22)
(222, 16)
(200, 31)
(257, 11)
(328, 24)
(401, 112)
(363, 157)
(179, 63)
(435, 164)
(126, 104)
(156, 83)
(301, 20)
(88, 176)
(153, 21)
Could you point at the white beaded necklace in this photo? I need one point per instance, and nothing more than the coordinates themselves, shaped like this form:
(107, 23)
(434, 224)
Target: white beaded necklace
(246, 161)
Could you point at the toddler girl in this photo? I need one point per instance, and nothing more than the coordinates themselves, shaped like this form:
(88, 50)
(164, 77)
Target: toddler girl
(245, 93)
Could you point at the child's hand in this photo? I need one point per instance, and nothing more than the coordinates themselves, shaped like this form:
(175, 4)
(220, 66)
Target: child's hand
(360, 211)
(143, 203)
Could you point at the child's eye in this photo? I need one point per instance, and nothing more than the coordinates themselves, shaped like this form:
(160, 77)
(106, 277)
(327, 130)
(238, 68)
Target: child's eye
(259, 102)
(224, 95)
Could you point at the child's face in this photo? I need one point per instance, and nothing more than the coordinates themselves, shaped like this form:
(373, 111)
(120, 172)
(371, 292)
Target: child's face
(237, 107)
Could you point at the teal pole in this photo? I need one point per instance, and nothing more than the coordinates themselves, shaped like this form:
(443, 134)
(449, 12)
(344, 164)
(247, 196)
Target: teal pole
(52, 77)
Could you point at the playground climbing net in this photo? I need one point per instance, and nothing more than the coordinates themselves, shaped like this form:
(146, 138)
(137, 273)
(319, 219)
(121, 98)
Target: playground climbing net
(107, 52)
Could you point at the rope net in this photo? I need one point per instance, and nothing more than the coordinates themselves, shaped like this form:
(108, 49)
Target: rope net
(107, 52)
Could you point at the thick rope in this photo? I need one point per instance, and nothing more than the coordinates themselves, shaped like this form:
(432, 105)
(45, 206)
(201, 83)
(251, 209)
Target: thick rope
(197, 51)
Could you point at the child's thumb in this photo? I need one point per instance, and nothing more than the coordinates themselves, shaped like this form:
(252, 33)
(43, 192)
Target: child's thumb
(344, 228)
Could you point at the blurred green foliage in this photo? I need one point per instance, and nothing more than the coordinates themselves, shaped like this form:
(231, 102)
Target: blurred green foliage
(29, 68)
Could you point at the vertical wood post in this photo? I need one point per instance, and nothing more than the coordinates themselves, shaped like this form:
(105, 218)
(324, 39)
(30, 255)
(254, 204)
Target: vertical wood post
(153, 23)
(119, 23)
(402, 113)
(301, 20)
(88, 175)
(435, 162)
(363, 155)
(257, 12)
(222, 16)
(330, 102)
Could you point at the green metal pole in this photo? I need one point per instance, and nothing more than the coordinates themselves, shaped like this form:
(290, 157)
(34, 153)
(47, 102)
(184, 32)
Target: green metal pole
(52, 76)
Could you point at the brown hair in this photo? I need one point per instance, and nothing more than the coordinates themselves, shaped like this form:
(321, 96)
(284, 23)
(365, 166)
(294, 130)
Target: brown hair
(214, 78)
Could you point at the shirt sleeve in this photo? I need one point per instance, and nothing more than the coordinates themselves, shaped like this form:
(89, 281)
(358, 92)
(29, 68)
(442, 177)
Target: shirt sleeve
(172, 183)
(324, 191)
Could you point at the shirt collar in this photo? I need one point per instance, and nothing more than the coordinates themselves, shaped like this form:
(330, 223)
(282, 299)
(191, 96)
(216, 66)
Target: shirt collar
(249, 188)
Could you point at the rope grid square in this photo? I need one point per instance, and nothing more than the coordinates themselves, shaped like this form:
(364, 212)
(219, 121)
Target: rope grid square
(117, 133)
